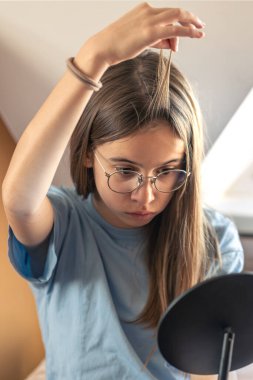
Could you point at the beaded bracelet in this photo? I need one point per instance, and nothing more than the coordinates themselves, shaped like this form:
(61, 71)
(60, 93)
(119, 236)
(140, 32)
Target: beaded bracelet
(83, 77)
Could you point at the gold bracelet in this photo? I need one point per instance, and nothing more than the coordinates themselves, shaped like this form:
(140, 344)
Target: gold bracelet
(81, 76)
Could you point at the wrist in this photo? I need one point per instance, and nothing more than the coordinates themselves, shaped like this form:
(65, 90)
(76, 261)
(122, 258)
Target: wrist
(91, 61)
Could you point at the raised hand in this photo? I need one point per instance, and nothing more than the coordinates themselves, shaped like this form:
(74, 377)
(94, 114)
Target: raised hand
(142, 27)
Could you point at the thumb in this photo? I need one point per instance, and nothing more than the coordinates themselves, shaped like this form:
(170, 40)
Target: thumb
(174, 42)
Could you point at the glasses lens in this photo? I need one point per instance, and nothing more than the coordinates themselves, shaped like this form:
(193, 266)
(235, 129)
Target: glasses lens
(123, 181)
(170, 180)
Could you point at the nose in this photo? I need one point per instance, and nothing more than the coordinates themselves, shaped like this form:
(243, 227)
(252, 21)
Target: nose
(144, 194)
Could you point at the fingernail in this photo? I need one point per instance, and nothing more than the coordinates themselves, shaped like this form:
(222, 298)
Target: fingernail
(200, 34)
(201, 22)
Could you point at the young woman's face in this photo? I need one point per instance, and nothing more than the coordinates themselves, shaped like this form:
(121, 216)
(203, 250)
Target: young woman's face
(147, 152)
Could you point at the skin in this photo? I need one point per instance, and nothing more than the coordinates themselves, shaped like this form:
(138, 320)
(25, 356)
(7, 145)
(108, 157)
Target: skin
(231, 376)
(120, 209)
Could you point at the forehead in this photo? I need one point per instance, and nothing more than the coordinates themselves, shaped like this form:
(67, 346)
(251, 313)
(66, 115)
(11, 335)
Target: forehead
(157, 143)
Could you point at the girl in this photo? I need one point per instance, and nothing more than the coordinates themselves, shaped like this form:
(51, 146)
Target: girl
(106, 257)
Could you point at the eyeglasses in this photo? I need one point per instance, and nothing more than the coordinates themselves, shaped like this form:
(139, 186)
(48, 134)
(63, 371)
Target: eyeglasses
(126, 180)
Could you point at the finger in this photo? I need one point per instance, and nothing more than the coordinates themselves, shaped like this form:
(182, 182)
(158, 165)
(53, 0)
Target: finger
(185, 24)
(171, 44)
(172, 31)
(174, 42)
(164, 44)
(167, 16)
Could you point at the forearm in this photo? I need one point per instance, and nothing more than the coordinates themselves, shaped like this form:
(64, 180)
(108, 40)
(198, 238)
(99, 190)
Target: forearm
(43, 142)
(231, 376)
(204, 377)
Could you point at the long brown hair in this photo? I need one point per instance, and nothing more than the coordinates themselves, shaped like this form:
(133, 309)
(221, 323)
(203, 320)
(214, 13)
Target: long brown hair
(135, 93)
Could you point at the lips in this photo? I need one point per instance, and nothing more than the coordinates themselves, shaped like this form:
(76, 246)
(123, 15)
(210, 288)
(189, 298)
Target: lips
(141, 213)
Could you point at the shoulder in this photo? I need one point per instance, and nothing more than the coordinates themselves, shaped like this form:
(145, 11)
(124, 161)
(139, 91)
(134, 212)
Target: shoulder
(65, 194)
(66, 199)
(224, 227)
(229, 241)
(70, 209)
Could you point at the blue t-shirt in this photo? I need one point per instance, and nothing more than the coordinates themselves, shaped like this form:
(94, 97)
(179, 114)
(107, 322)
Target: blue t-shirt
(93, 281)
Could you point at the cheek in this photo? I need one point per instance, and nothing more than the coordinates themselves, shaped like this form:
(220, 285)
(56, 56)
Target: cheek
(165, 200)
(114, 200)
(100, 180)
(110, 198)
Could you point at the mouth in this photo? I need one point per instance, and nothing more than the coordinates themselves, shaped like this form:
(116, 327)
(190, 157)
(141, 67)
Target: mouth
(141, 214)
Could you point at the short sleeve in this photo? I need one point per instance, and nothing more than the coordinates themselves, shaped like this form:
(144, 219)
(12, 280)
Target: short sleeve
(232, 255)
(20, 258)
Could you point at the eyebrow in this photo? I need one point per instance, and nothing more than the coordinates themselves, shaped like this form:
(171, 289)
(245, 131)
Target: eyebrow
(122, 159)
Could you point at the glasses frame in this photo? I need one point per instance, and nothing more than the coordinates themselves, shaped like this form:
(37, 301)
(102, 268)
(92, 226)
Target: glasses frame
(141, 178)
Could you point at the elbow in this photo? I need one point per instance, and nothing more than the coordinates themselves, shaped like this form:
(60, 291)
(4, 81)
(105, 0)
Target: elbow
(12, 201)
(8, 197)
(5, 198)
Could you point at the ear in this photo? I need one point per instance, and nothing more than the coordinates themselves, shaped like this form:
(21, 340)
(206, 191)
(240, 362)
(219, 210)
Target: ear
(88, 162)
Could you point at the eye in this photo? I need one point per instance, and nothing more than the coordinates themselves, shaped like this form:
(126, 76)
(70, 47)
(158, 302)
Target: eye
(126, 172)
(125, 169)
(164, 171)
